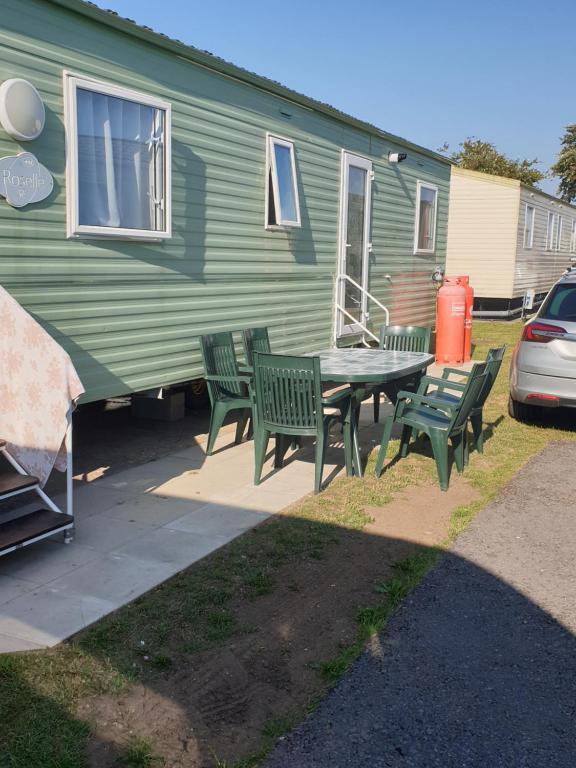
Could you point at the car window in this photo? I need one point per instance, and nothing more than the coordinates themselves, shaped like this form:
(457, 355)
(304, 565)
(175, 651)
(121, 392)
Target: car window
(560, 304)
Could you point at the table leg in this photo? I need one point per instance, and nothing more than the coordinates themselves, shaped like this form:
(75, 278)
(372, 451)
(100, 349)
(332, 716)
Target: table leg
(409, 383)
(357, 397)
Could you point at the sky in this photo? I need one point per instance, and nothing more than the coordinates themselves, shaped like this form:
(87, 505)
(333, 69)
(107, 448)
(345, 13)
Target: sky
(431, 72)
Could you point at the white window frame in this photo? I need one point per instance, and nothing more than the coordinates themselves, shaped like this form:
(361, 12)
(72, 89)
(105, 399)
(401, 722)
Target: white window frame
(559, 227)
(76, 230)
(529, 242)
(272, 174)
(573, 237)
(550, 229)
(420, 185)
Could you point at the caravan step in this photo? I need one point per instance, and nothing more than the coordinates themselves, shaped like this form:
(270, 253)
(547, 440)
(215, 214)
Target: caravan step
(14, 482)
(28, 528)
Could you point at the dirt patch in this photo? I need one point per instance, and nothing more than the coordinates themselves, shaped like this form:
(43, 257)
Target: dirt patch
(422, 518)
(216, 704)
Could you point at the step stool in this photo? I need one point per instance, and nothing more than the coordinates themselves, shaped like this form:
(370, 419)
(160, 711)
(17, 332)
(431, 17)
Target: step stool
(33, 526)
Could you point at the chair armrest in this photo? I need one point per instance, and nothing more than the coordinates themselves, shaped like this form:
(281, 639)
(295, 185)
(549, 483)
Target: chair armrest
(404, 396)
(335, 397)
(456, 371)
(229, 379)
(442, 383)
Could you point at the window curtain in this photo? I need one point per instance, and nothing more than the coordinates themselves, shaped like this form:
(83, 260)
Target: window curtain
(426, 223)
(116, 161)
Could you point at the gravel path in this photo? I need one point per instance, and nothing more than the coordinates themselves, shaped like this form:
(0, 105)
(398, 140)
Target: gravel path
(478, 668)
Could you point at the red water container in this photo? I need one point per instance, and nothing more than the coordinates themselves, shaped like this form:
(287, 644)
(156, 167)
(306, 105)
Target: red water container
(465, 281)
(450, 315)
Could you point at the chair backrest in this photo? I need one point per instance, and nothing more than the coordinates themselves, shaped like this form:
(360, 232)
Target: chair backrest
(288, 392)
(405, 338)
(220, 360)
(255, 340)
(470, 394)
(494, 362)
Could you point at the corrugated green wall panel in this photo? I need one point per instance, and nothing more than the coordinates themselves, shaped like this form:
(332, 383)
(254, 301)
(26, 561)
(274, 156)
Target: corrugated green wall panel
(130, 313)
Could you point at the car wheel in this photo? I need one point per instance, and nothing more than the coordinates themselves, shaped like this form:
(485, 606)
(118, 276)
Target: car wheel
(521, 411)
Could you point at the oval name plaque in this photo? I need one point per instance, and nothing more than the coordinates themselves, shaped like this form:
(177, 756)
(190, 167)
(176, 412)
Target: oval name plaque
(23, 180)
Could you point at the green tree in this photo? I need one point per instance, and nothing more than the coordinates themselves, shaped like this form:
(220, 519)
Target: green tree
(565, 166)
(477, 155)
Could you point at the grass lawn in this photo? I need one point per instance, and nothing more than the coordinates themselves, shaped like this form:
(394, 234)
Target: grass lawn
(51, 701)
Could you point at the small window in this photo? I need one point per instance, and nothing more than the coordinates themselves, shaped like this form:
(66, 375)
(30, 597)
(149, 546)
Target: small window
(573, 237)
(282, 203)
(529, 226)
(425, 235)
(550, 231)
(118, 164)
(559, 227)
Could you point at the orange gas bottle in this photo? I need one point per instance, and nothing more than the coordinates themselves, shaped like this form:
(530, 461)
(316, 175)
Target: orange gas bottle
(450, 315)
(465, 281)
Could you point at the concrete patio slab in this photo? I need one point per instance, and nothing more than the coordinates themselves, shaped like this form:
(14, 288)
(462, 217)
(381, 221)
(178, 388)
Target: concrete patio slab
(45, 561)
(107, 535)
(115, 578)
(92, 498)
(48, 615)
(171, 547)
(14, 644)
(11, 588)
(220, 520)
(151, 510)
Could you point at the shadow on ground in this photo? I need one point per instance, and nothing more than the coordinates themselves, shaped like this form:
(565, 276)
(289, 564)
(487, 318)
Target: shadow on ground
(507, 670)
(220, 674)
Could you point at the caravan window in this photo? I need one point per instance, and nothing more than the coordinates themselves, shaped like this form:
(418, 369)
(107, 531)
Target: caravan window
(425, 231)
(559, 227)
(118, 165)
(282, 203)
(529, 226)
(550, 231)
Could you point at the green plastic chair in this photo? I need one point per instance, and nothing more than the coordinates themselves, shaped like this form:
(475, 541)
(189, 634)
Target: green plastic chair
(403, 338)
(255, 340)
(494, 362)
(289, 404)
(227, 388)
(441, 421)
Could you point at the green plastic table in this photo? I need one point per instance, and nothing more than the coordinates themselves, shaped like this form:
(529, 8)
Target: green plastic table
(361, 369)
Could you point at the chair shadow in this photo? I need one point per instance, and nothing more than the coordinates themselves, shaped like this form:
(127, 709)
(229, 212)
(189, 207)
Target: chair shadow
(490, 428)
(305, 452)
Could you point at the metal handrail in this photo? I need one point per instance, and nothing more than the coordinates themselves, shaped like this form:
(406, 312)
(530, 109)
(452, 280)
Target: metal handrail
(356, 322)
(368, 296)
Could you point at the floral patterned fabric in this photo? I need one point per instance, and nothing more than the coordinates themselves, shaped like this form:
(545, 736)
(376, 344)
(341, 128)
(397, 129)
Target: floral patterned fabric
(39, 387)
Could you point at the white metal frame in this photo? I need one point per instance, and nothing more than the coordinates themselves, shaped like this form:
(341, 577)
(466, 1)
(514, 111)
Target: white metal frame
(272, 172)
(420, 185)
(66, 528)
(341, 328)
(76, 230)
(530, 243)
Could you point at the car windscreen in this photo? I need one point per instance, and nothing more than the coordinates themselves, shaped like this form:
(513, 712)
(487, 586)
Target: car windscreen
(560, 303)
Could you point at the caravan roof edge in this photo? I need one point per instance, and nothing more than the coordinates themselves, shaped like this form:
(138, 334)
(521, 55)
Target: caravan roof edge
(209, 60)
